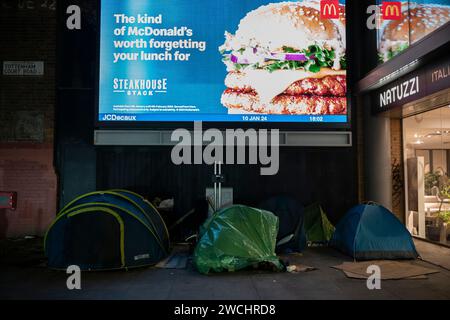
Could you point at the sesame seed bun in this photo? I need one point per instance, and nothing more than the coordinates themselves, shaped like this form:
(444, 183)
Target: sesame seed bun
(265, 32)
(291, 24)
(426, 19)
(397, 30)
(421, 21)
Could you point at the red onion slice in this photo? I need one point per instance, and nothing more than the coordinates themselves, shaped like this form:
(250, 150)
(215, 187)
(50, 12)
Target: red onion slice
(295, 57)
(235, 59)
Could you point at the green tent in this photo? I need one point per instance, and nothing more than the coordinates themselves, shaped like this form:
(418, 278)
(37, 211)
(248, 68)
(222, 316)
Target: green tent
(235, 238)
(317, 226)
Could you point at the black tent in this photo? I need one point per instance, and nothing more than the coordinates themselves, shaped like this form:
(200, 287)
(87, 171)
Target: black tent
(291, 232)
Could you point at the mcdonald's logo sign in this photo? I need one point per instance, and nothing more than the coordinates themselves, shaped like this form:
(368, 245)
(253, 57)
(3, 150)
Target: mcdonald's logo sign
(391, 10)
(329, 9)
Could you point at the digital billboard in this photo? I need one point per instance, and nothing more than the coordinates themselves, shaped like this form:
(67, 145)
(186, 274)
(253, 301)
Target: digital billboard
(223, 61)
(407, 22)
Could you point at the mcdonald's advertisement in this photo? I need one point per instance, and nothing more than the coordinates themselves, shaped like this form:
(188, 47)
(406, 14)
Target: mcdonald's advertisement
(223, 61)
(404, 23)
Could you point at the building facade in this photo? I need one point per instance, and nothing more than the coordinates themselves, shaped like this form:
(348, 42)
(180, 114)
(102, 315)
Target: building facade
(27, 104)
(399, 124)
(405, 97)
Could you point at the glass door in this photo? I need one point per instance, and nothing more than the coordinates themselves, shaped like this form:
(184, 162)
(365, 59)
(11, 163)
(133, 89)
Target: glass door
(426, 141)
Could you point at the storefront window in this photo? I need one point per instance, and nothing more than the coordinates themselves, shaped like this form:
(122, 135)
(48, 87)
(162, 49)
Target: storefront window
(426, 139)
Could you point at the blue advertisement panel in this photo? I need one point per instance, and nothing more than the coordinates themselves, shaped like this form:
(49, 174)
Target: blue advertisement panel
(223, 61)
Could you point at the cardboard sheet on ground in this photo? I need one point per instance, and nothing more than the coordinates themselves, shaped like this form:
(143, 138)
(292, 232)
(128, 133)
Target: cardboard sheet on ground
(433, 253)
(358, 276)
(390, 270)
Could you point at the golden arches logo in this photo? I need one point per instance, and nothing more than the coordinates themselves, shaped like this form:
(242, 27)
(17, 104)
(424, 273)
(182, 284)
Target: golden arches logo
(329, 9)
(392, 10)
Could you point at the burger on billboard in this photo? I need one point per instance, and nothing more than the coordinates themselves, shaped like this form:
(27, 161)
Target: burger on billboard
(241, 61)
(285, 59)
(405, 23)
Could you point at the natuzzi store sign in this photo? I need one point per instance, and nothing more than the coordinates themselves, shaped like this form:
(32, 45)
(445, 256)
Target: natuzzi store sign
(421, 83)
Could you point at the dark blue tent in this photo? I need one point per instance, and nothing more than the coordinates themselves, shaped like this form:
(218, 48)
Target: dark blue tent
(107, 230)
(291, 232)
(372, 232)
(151, 213)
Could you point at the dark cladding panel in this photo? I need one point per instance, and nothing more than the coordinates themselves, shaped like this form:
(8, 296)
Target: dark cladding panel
(309, 175)
(75, 116)
(75, 153)
(77, 49)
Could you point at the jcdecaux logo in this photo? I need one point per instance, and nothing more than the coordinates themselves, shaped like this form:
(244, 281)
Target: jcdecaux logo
(115, 117)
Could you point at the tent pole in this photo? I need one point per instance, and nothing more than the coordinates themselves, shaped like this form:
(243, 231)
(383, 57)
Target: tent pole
(215, 186)
(220, 185)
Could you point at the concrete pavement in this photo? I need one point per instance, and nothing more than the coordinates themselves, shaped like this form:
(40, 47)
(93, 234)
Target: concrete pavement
(34, 282)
